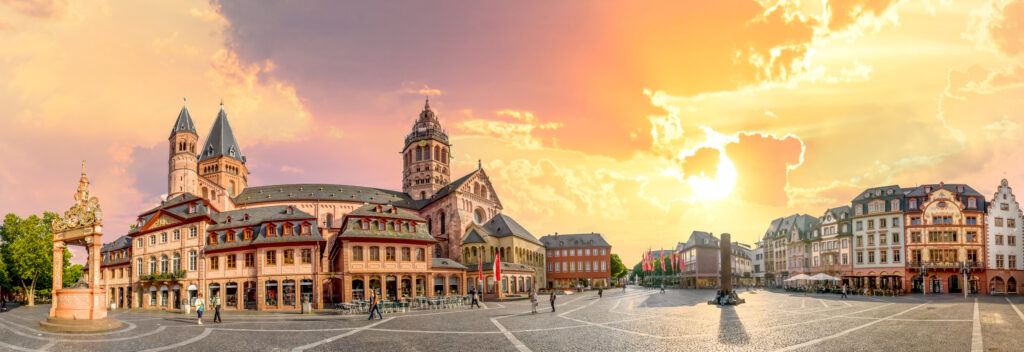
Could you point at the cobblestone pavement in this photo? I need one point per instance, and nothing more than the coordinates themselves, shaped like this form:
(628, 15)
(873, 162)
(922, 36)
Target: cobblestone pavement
(637, 320)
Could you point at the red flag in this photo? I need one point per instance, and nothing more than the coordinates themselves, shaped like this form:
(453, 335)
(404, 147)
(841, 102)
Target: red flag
(480, 270)
(662, 255)
(497, 267)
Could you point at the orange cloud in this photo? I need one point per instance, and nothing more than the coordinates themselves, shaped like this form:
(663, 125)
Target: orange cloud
(42, 9)
(998, 26)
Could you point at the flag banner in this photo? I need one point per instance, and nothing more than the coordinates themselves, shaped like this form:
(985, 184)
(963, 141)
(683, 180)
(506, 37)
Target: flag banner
(497, 268)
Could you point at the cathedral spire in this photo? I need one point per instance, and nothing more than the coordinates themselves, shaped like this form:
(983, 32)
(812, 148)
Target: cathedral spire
(184, 122)
(427, 105)
(221, 140)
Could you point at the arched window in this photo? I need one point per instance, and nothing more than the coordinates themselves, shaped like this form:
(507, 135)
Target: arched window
(176, 263)
(329, 221)
(419, 153)
(430, 225)
(444, 155)
(426, 153)
(152, 265)
(163, 264)
(437, 153)
(442, 223)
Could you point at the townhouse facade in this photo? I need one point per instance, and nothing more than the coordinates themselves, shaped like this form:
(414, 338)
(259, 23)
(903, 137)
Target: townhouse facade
(878, 238)
(1003, 228)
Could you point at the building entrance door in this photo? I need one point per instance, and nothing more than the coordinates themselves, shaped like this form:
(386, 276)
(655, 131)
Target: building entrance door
(955, 286)
(917, 286)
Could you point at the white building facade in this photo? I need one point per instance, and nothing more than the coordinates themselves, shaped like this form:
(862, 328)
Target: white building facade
(1004, 226)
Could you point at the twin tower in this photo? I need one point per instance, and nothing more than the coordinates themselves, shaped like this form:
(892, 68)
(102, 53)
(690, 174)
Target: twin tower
(217, 171)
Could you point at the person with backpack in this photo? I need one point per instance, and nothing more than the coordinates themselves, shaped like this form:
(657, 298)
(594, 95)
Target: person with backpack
(473, 300)
(533, 301)
(200, 307)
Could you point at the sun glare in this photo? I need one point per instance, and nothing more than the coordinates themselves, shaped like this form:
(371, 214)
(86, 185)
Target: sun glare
(717, 187)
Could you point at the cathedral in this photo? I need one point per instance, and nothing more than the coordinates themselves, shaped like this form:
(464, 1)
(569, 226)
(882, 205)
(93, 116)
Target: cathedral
(275, 246)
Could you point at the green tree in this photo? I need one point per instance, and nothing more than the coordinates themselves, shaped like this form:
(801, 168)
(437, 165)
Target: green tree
(71, 272)
(28, 251)
(617, 269)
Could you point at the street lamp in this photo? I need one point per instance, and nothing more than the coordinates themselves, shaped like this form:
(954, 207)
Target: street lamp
(964, 269)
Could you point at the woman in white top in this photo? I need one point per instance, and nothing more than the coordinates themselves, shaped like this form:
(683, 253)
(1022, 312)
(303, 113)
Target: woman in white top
(200, 306)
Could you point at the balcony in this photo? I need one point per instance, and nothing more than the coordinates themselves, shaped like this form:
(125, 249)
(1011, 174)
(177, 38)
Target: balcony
(944, 265)
(164, 276)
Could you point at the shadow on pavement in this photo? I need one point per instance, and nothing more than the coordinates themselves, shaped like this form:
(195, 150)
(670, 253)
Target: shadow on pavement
(730, 327)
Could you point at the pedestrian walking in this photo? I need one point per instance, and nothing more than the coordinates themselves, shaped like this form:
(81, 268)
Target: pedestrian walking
(200, 307)
(662, 287)
(623, 288)
(474, 301)
(375, 305)
(533, 301)
(216, 309)
(844, 291)
(552, 301)
(600, 292)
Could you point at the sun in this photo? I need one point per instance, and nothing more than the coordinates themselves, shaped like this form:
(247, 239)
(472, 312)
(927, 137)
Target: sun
(717, 187)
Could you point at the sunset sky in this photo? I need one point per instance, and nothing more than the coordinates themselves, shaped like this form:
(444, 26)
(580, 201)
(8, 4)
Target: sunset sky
(643, 123)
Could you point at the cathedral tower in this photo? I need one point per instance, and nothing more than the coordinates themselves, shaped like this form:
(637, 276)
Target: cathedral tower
(182, 176)
(425, 161)
(221, 160)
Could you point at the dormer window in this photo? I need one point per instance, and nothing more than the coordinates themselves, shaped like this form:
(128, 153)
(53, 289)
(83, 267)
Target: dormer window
(366, 224)
(305, 228)
(412, 227)
(913, 203)
(230, 236)
(380, 225)
(290, 210)
(927, 189)
(192, 208)
(229, 219)
(397, 226)
(271, 230)
(288, 229)
(231, 151)
(247, 234)
(394, 210)
(212, 239)
(379, 209)
(960, 189)
(245, 217)
(971, 203)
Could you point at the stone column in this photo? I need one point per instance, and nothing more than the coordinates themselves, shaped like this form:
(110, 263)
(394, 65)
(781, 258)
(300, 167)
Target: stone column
(398, 287)
(726, 267)
(429, 286)
(58, 274)
(95, 259)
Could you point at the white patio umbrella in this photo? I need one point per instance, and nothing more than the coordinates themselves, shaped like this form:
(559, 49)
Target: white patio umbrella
(799, 277)
(823, 277)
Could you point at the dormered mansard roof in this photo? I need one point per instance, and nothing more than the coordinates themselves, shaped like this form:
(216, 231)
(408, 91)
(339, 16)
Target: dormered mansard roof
(221, 140)
(575, 240)
(184, 122)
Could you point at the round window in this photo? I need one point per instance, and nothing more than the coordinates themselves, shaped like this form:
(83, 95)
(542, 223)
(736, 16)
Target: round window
(478, 216)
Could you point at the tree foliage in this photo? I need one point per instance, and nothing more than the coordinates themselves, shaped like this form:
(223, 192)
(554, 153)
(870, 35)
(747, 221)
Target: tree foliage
(617, 269)
(28, 252)
(71, 272)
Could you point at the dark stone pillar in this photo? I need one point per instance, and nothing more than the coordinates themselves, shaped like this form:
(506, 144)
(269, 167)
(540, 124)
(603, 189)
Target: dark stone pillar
(726, 267)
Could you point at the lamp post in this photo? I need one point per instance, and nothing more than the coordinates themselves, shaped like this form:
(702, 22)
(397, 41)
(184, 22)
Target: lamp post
(924, 279)
(964, 269)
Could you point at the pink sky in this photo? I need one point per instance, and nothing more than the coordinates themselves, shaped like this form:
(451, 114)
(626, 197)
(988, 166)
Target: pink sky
(641, 123)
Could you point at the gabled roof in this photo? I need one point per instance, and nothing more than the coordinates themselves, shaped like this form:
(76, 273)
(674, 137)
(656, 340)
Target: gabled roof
(221, 140)
(502, 225)
(473, 237)
(701, 239)
(123, 242)
(446, 263)
(442, 192)
(575, 240)
(177, 206)
(184, 123)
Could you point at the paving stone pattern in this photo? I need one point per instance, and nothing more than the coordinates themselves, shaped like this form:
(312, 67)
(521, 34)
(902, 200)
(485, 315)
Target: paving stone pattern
(637, 320)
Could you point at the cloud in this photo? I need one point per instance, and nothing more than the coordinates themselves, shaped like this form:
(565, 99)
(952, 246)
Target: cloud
(41, 9)
(519, 133)
(291, 170)
(998, 26)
